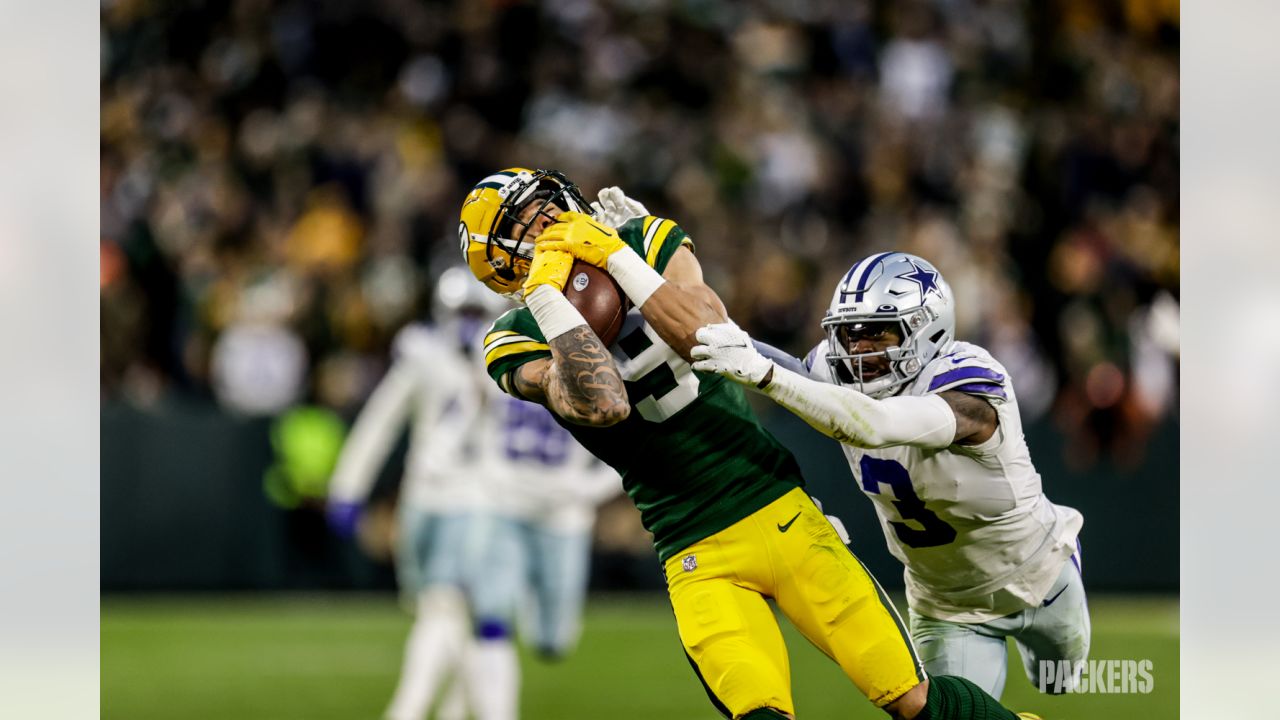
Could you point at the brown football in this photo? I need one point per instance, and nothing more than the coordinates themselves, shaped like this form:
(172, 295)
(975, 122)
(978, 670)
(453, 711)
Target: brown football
(599, 299)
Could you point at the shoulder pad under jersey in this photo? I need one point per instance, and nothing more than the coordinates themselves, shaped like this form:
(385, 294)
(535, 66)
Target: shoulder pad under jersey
(965, 368)
(815, 362)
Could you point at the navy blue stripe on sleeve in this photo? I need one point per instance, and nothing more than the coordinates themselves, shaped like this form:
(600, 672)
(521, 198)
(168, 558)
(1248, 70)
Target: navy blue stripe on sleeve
(965, 373)
(981, 388)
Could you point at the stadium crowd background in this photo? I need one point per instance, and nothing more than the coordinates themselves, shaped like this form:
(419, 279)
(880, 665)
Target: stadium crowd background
(281, 179)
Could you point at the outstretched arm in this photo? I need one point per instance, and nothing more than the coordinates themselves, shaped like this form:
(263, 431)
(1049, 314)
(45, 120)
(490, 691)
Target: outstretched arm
(375, 431)
(682, 304)
(851, 417)
(838, 412)
(780, 357)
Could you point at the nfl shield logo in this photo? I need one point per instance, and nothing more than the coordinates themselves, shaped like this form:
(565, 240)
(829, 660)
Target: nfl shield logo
(690, 563)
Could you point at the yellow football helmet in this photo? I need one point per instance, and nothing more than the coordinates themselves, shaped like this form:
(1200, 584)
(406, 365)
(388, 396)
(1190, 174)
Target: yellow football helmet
(491, 230)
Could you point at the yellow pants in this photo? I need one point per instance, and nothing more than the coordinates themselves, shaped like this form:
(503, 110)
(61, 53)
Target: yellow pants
(789, 552)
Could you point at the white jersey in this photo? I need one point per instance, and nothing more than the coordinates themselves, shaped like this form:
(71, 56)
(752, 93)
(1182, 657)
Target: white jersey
(433, 385)
(472, 447)
(536, 469)
(977, 535)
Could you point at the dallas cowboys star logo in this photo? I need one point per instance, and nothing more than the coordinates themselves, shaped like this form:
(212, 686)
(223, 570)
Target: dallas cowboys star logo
(926, 279)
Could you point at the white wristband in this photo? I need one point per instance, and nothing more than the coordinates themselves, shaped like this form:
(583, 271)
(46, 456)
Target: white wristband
(553, 312)
(634, 275)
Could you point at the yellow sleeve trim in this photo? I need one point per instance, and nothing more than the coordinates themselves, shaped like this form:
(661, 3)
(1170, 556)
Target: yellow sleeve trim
(658, 239)
(498, 335)
(513, 349)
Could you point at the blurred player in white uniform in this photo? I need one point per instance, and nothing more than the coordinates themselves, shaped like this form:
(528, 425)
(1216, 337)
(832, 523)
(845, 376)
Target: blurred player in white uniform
(546, 488)
(468, 548)
(932, 432)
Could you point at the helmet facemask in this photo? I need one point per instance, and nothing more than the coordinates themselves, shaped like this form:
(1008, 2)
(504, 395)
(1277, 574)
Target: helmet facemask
(880, 373)
(509, 248)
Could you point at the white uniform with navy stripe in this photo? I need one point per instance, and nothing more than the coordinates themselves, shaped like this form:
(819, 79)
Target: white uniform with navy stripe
(972, 525)
(544, 488)
(497, 498)
(436, 389)
(986, 555)
(536, 469)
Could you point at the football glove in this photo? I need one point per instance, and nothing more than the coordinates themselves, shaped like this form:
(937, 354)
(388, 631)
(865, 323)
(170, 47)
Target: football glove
(343, 517)
(549, 267)
(582, 237)
(614, 208)
(836, 523)
(727, 350)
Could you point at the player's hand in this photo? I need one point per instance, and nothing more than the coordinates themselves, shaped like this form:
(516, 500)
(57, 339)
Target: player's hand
(727, 350)
(614, 207)
(343, 517)
(549, 267)
(582, 237)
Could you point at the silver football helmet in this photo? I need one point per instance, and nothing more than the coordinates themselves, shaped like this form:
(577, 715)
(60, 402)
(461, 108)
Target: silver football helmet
(462, 308)
(888, 291)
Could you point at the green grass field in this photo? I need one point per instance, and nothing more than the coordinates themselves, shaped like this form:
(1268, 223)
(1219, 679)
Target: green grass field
(336, 657)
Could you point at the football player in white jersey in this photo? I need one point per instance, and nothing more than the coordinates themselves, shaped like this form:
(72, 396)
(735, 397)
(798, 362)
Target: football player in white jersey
(545, 488)
(468, 546)
(931, 429)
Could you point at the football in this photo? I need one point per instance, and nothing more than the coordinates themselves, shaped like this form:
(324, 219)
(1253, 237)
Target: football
(599, 299)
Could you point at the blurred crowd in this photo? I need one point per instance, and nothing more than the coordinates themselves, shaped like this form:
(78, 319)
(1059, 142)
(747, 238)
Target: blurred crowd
(281, 178)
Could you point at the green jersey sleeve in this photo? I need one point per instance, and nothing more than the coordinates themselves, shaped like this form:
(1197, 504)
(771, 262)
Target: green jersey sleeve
(513, 340)
(655, 239)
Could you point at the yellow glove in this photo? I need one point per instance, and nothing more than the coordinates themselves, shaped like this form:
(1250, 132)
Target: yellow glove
(586, 239)
(549, 267)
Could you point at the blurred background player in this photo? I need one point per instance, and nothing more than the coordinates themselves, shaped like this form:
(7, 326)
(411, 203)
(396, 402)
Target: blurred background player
(544, 490)
(932, 432)
(467, 549)
(718, 492)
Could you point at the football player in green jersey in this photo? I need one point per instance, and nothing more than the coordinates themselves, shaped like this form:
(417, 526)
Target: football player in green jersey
(724, 500)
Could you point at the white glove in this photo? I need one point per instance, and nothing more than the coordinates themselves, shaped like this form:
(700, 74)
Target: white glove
(836, 523)
(727, 350)
(614, 208)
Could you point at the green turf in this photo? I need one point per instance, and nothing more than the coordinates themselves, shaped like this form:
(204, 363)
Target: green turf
(285, 658)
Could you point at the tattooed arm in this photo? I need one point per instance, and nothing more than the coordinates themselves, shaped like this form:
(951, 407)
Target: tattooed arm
(579, 382)
(976, 420)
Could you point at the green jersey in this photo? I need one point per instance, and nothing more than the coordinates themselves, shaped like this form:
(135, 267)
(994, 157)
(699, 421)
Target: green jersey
(691, 454)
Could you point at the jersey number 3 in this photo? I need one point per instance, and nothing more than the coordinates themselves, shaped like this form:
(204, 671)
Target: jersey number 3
(934, 532)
